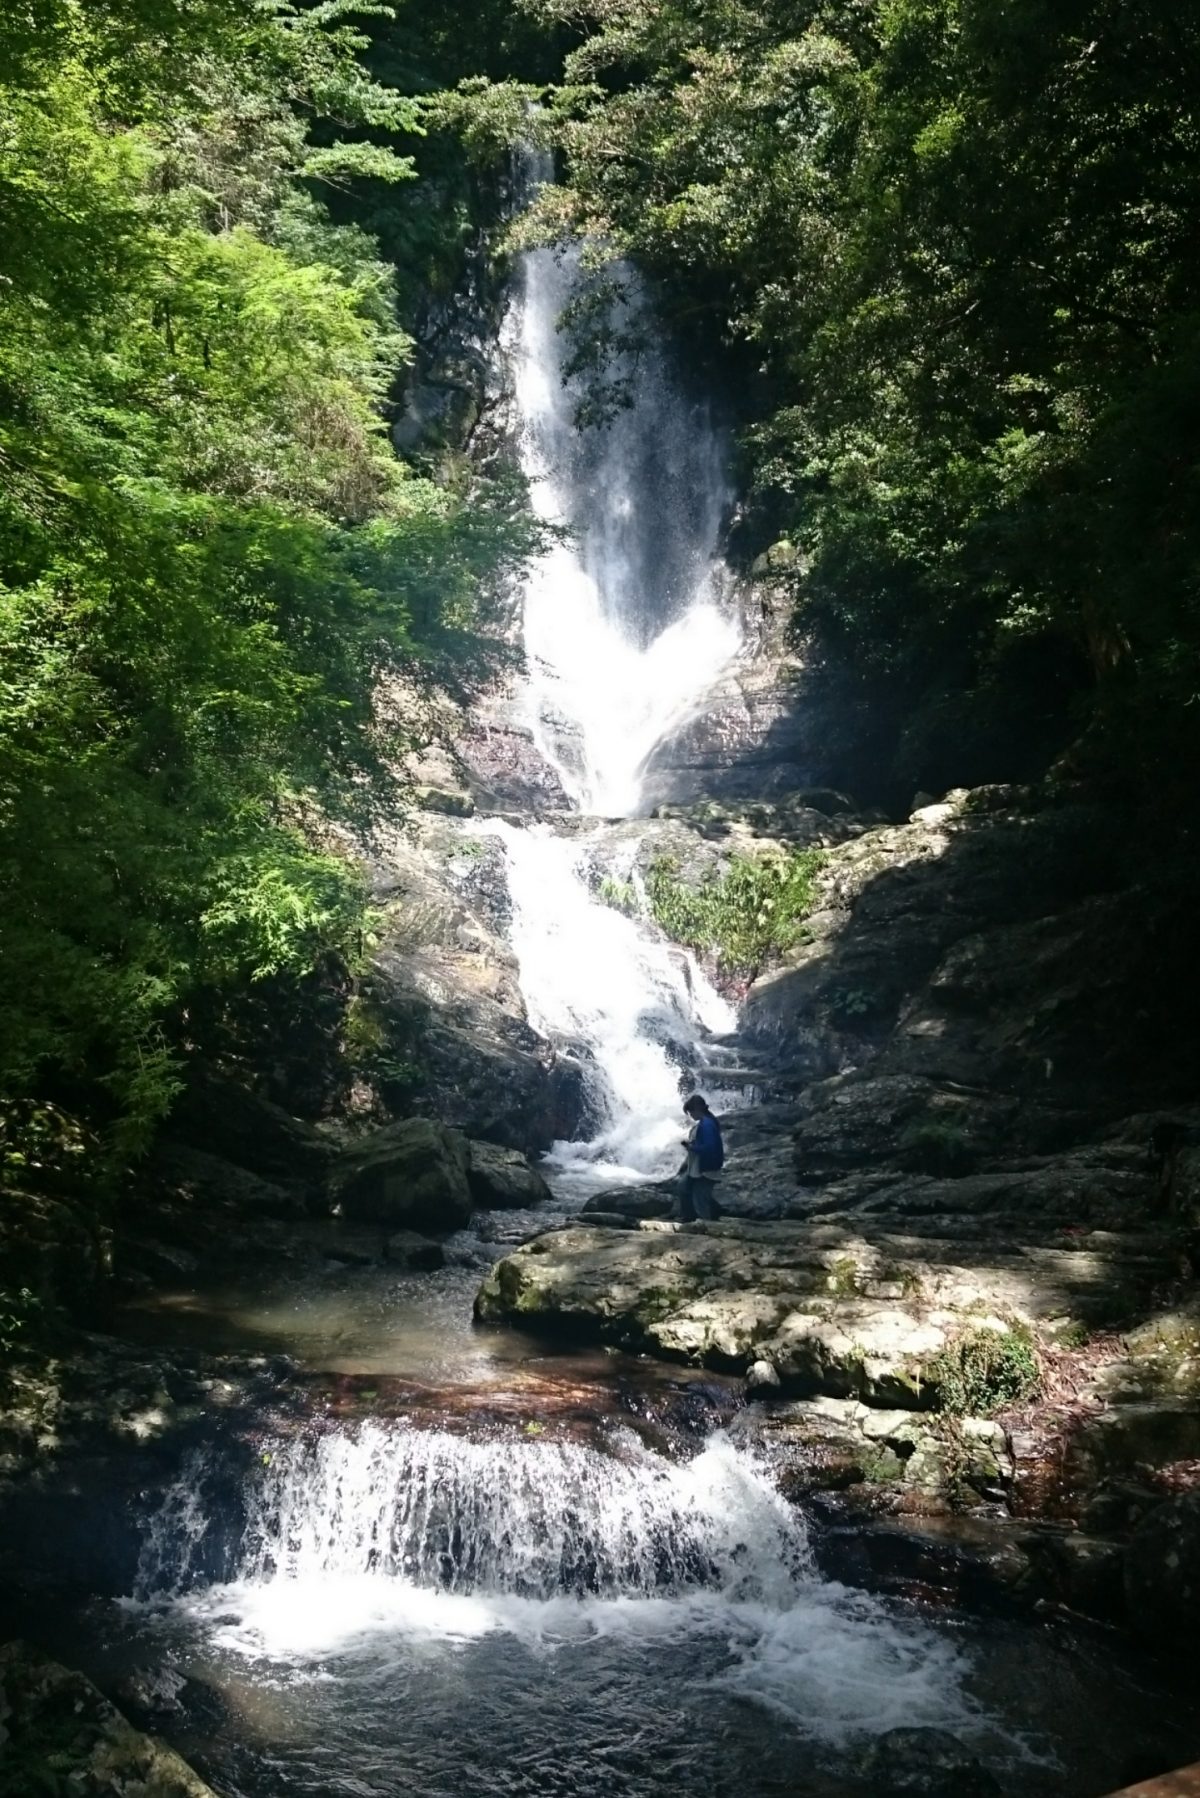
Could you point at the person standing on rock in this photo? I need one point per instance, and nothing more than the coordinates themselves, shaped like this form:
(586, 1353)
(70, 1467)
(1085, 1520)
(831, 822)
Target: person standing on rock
(705, 1159)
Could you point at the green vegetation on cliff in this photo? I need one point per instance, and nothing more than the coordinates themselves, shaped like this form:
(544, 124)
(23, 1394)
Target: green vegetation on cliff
(744, 917)
(741, 918)
(210, 556)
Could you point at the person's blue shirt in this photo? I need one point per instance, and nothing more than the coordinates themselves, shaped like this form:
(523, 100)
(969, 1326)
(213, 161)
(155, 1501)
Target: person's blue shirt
(708, 1146)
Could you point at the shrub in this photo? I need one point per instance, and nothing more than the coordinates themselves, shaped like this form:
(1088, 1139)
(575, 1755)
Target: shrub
(985, 1370)
(934, 1147)
(742, 918)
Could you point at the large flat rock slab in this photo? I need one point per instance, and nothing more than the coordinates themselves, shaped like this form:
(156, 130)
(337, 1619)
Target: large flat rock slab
(833, 1309)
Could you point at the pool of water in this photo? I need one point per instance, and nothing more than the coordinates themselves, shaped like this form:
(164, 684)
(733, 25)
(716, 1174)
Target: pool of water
(488, 1583)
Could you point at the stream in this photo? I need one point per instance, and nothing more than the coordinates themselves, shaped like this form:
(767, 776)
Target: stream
(519, 1570)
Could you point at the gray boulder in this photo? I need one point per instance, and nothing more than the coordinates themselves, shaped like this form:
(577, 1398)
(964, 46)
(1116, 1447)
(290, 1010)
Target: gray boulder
(412, 1174)
(51, 1717)
(924, 1763)
(414, 1254)
(1162, 1569)
(502, 1179)
(631, 1203)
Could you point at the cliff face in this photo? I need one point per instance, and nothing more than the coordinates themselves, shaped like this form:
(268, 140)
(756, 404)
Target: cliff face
(959, 1249)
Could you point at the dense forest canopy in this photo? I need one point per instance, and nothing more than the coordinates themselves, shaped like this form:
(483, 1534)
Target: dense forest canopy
(943, 252)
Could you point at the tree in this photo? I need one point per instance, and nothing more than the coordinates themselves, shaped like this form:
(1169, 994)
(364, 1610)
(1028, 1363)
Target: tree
(210, 557)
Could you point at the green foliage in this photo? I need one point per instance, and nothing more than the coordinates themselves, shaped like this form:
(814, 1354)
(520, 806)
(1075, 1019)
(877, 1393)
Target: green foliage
(382, 1048)
(211, 561)
(955, 242)
(621, 895)
(20, 1312)
(41, 1145)
(753, 911)
(985, 1370)
(844, 1279)
(882, 1466)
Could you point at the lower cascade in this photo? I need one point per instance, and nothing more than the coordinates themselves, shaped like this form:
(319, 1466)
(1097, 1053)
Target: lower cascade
(365, 1542)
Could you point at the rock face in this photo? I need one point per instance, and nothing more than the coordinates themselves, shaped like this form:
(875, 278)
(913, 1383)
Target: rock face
(221, 1119)
(442, 1009)
(58, 1252)
(924, 1763)
(992, 949)
(412, 1174)
(777, 722)
(1162, 1569)
(502, 1179)
(55, 1726)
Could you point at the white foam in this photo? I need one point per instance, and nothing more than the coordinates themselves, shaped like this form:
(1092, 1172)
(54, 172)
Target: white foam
(591, 974)
(369, 1544)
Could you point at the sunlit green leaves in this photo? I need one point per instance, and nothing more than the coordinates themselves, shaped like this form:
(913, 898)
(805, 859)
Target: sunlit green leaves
(211, 561)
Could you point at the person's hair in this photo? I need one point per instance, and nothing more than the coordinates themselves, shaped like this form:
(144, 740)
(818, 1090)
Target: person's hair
(696, 1106)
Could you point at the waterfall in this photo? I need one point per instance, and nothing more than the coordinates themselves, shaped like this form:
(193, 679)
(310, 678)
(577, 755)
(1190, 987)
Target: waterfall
(356, 1541)
(591, 974)
(526, 1519)
(627, 626)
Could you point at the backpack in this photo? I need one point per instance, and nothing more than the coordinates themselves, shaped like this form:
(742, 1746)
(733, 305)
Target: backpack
(710, 1145)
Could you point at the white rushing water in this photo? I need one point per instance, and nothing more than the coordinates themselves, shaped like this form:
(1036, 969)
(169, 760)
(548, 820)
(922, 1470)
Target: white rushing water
(592, 975)
(627, 627)
(355, 1541)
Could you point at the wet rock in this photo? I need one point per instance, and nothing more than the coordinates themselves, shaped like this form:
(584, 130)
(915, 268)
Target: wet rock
(414, 1254)
(441, 1013)
(631, 1203)
(200, 1179)
(506, 769)
(829, 1443)
(57, 1250)
(728, 1294)
(761, 731)
(1082, 1572)
(940, 1557)
(153, 1691)
(1162, 1569)
(54, 1720)
(502, 1179)
(1127, 1437)
(413, 1174)
(762, 1376)
(227, 1121)
(924, 1763)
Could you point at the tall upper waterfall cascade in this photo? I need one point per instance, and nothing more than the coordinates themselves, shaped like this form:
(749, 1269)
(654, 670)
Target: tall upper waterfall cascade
(625, 625)
(627, 628)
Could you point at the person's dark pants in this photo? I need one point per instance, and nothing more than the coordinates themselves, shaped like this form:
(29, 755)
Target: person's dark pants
(697, 1200)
